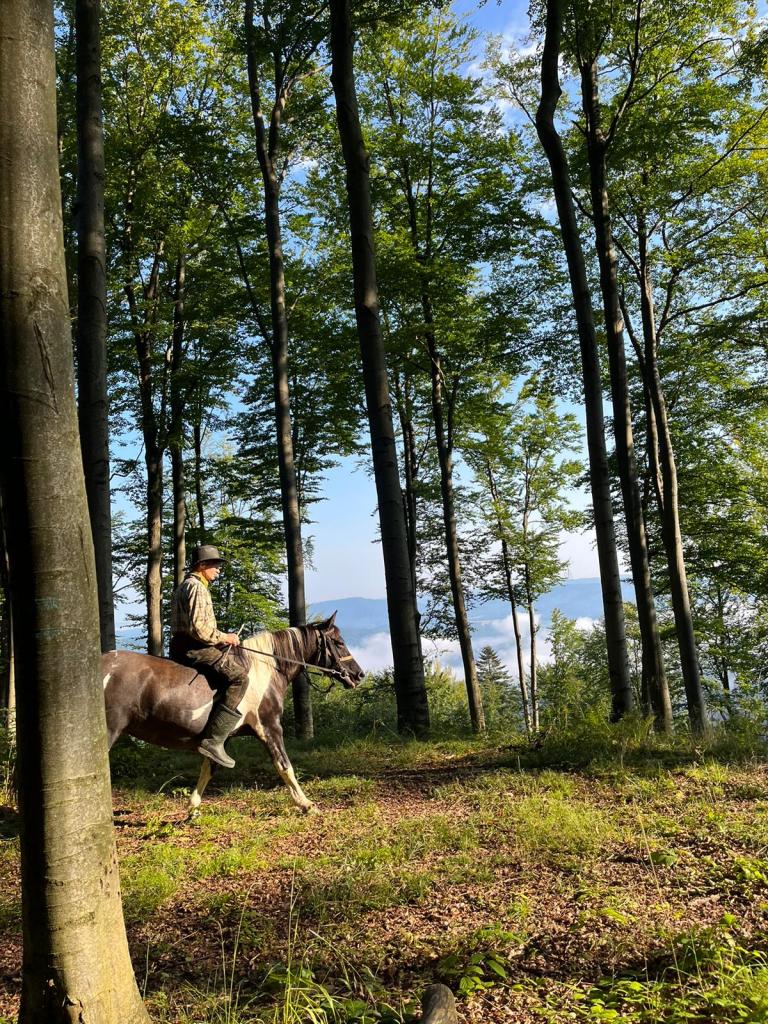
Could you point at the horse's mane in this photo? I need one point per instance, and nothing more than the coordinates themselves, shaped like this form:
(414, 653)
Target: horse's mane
(283, 643)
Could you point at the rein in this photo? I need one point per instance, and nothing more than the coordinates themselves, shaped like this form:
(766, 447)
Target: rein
(292, 661)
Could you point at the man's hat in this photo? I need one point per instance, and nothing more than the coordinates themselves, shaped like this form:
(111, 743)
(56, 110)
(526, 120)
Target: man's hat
(205, 553)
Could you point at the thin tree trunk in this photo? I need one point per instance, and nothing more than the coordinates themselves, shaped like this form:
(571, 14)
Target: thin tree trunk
(512, 603)
(534, 661)
(176, 434)
(722, 662)
(610, 579)
(518, 636)
(197, 440)
(7, 682)
(670, 518)
(76, 964)
(266, 145)
(445, 458)
(153, 459)
(653, 669)
(154, 447)
(412, 707)
(91, 333)
(410, 466)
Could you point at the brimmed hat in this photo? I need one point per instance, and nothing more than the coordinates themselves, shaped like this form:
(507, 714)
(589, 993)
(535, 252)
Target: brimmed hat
(205, 553)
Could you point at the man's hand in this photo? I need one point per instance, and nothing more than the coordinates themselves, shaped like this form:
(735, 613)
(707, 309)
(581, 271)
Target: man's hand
(232, 638)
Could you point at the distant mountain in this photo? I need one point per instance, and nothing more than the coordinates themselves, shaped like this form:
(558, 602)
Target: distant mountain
(360, 617)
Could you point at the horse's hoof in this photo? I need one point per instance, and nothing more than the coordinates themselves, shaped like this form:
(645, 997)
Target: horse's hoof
(194, 813)
(310, 809)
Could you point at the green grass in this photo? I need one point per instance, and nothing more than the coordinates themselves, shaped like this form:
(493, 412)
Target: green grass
(624, 880)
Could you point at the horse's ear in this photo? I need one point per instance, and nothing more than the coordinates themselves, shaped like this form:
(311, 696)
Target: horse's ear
(330, 621)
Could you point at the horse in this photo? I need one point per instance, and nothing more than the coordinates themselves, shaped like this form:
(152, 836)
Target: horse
(167, 704)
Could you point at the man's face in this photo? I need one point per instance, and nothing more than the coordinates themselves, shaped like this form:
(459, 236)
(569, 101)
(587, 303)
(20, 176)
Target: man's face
(210, 570)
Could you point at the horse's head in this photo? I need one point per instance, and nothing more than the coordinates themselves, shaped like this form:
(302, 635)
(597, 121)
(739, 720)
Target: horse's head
(333, 654)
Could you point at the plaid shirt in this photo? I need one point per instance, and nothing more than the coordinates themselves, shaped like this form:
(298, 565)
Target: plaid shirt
(192, 612)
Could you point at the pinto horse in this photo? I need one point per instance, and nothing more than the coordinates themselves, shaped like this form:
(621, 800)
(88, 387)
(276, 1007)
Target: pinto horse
(168, 704)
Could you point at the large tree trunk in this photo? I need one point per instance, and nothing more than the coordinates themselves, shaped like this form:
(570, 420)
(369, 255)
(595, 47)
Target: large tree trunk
(266, 143)
(91, 334)
(412, 708)
(445, 459)
(670, 518)
(76, 964)
(176, 433)
(618, 662)
(654, 671)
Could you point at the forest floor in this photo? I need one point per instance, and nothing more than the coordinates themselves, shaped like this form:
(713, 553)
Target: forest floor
(625, 892)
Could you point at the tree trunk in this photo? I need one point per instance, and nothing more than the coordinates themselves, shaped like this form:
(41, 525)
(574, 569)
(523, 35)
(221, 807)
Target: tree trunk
(512, 603)
(410, 466)
(176, 434)
(7, 682)
(197, 439)
(76, 964)
(155, 440)
(445, 458)
(153, 580)
(653, 669)
(518, 637)
(670, 518)
(534, 663)
(412, 708)
(91, 333)
(618, 662)
(266, 143)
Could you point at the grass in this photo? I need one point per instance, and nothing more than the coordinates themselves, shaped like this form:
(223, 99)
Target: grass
(541, 885)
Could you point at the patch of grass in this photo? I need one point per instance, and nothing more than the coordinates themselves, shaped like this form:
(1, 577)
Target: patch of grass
(150, 879)
(710, 976)
(556, 830)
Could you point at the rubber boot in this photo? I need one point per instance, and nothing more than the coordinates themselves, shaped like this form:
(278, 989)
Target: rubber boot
(221, 724)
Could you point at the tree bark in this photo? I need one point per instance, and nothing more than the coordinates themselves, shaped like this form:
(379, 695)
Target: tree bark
(438, 1006)
(197, 439)
(411, 469)
(91, 332)
(267, 143)
(445, 458)
(618, 662)
(155, 439)
(518, 637)
(7, 681)
(76, 964)
(670, 518)
(512, 602)
(653, 669)
(176, 434)
(412, 707)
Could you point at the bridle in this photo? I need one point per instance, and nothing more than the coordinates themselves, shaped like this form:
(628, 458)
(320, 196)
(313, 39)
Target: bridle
(327, 649)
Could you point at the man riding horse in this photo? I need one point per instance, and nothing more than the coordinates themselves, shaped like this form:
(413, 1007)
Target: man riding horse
(196, 641)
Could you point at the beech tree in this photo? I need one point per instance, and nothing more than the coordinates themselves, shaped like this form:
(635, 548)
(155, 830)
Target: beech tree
(413, 711)
(76, 961)
(523, 473)
(91, 330)
(610, 579)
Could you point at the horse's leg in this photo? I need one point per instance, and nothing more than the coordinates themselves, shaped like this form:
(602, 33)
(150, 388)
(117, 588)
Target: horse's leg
(273, 739)
(206, 770)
